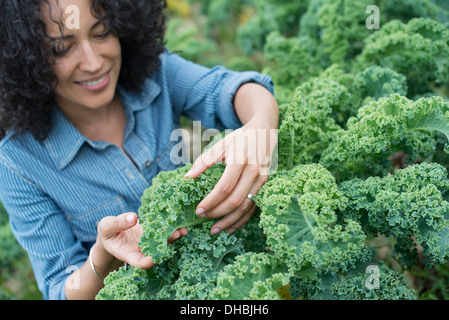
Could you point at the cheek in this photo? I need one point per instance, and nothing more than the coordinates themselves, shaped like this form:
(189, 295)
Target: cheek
(62, 71)
(115, 49)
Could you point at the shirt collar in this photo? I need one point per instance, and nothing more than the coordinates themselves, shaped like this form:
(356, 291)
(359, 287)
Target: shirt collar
(64, 140)
(137, 101)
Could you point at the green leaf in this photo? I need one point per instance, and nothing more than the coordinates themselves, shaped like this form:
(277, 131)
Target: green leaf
(170, 204)
(253, 276)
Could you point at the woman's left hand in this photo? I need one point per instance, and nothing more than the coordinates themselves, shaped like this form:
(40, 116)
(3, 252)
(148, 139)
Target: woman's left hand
(247, 153)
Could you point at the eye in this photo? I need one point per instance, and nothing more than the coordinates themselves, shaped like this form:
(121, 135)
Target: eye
(61, 50)
(103, 35)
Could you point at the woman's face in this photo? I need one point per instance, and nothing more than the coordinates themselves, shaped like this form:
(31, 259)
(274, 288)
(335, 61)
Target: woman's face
(89, 65)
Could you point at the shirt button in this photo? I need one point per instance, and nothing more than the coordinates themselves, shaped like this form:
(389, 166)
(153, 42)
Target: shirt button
(147, 163)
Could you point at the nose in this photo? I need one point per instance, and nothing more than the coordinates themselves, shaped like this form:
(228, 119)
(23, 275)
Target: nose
(91, 59)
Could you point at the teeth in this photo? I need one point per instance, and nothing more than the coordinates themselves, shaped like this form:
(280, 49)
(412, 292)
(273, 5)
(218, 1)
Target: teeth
(94, 83)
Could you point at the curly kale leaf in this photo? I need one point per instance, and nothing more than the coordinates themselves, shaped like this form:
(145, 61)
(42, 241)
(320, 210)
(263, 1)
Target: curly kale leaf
(409, 9)
(376, 82)
(253, 276)
(307, 126)
(290, 62)
(411, 204)
(252, 236)
(131, 284)
(190, 274)
(381, 283)
(170, 204)
(199, 259)
(322, 106)
(338, 27)
(383, 128)
(419, 50)
(370, 84)
(301, 224)
(366, 279)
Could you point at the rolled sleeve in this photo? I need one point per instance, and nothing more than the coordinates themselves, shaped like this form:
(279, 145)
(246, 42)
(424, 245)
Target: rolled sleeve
(226, 111)
(207, 94)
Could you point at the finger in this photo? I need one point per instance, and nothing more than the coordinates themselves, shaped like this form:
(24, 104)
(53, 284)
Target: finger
(241, 215)
(206, 160)
(222, 189)
(137, 259)
(246, 183)
(174, 237)
(243, 220)
(177, 234)
(183, 232)
(110, 226)
(235, 219)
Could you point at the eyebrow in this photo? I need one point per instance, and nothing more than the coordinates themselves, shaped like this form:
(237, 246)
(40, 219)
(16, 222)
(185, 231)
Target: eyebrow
(71, 36)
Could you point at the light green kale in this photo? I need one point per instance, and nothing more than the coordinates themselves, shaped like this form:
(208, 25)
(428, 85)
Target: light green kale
(366, 279)
(128, 283)
(377, 82)
(307, 126)
(382, 283)
(169, 204)
(368, 85)
(380, 130)
(322, 106)
(299, 217)
(199, 260)
(411, 204)
(190, 274)
(253, 276)
(419, 50)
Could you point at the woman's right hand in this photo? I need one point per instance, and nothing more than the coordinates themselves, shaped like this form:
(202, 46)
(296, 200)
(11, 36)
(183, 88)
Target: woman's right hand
(117, 242)
(120, 237)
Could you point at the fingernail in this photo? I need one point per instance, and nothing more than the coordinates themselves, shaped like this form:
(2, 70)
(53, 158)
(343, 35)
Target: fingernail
(215, 231)
(200, 211)
(130, 219)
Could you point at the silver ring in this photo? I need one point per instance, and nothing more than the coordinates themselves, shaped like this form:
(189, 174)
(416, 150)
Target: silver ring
(250, 197)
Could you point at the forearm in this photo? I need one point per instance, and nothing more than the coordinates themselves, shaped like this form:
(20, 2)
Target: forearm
(84, 284)
(254, 102)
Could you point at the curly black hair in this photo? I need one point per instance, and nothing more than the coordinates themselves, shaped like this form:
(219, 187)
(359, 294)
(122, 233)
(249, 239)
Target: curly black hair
(26, 76)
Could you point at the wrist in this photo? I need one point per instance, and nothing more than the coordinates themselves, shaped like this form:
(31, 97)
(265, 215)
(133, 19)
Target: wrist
(102, 261)
(262, 121)
(254, 103)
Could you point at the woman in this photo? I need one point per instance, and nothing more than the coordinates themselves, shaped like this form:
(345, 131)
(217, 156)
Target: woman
(87, 111)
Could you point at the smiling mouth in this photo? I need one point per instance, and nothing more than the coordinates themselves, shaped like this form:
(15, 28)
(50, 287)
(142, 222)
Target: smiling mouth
(96, 85)
(93, 83)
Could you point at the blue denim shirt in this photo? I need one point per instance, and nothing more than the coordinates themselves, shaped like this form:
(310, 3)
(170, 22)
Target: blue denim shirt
(57, 190)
